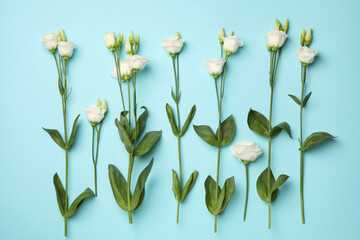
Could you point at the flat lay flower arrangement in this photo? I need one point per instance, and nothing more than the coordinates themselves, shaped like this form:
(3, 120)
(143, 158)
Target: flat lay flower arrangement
(130, 124)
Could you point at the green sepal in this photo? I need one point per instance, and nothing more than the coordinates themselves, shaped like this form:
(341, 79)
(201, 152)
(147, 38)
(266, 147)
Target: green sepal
(73, 131)
(189, 184)
(306, 99)
(176, 185)
(147, 143)
(258, 123)
(314, 139)
(296, 100)
(140, 187)
(170, 115)
(140, 124)
(55, 135)
(78, 201)
(118, 186)
(124, 137)
(278, 128)
(206, 134)
(188, 120)
(60, 194)
(227, 131)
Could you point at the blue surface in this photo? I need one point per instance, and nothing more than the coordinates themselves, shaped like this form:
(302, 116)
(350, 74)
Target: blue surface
(30, 100)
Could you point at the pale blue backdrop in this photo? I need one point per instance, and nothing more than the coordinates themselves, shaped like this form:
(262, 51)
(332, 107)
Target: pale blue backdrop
(30, 100)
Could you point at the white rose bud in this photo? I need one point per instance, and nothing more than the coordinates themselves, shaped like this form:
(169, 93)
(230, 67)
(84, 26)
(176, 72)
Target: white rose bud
(136, 62)
(66, 49)
(125, 70)
(95, 114)
(110, 41)
(214, 66)
(246, 151)
(306, 55)
(276, 38)
(50, 42)
(173, 45)
(232, 44)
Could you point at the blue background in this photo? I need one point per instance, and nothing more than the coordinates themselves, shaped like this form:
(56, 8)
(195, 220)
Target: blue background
(30, 100)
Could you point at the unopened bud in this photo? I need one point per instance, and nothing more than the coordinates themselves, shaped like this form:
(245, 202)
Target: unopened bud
(285, 27)
(221, 35)
(131, 37)
(308, 37)
(302, 37)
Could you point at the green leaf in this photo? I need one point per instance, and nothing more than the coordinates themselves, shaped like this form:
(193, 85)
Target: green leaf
(141, 199)
(176, 186)
(227, 130)
(306, 99)
(124, 136)
(78, 201)
(258, 123)
(60, 194)
(72, 136)
(147, 143)
(314, 139)
(229, 189)
(171, 118)
(278, 128)
(119, 187)
(206, 134)
(189, 184)
(140, 186)
(262, 186)
(140, 124)
(55, 135)
(61, 88)
(296, 100)
(280, 181)
(173, 95)
(124, 122)
(188, 120)
(210, 189)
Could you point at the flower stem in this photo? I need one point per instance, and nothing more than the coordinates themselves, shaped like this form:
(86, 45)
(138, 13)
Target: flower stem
(269, 215)
(303, 71)
(247, 187)
(117, 65)
(131, 164)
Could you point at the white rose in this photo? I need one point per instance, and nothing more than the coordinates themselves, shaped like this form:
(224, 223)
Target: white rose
(231, 44)
(95, 114)
(173, 45)
(66, 49)
(125, 70)
(306, 55)
(246, 151)
(276, 38)
(49, 41)
(109, 39)
(136, 62)
(128, 47)
(214, 66)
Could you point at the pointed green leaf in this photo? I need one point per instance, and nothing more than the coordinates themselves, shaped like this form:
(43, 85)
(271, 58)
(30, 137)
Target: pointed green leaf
(189, 184)
(170, 115)
(277, 129)
(188, 120)
(206, 134)
(55, 135)
(175, 187)
(141, 199)
(229, 189)
(119, 187)
(258, 123)
(296, 100)
(72, 136)
(220, 200)
(210, 199)
(147, 143)
(124, 137)
(306, 99)
(124, 122)
(314, 139)
(140, 186)
(78, 201)
(280, 181)
(228, 130)
(60, 194)
(140, 124)
(173, 95)
(262, 186)
(61, 88)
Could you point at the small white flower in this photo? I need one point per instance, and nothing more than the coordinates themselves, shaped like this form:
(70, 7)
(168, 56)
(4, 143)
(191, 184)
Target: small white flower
(128, 47)
(95, 114)
(246, 151)
(66, 49)
(125, 70)
(173, 45)
(214, 66)
(136, 62)
(49, 41)
(232, 44)
(276, 38)
(109, 39)
(306, 55)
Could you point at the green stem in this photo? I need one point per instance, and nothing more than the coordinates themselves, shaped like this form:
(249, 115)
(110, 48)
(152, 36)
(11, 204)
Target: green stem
(247, 186)
(93, 156)
(128, 85)
(269, 215)
(117, 65)
(131, 164)
(303, 68)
